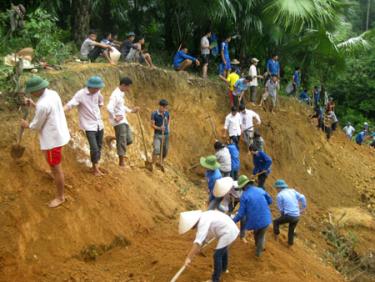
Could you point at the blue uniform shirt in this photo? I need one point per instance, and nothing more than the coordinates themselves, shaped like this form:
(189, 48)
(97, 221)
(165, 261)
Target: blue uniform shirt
(288, 202)
(273, 67)
(235, 157)
(212, 176)
(262, 162)
(360, 137)
(297, 78)
(158, 118)
(254, 204)
(180, 57)
(240, 86)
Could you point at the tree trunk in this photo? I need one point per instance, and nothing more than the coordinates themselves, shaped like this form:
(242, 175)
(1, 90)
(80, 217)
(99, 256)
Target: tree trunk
(81, 20)
(368, 14)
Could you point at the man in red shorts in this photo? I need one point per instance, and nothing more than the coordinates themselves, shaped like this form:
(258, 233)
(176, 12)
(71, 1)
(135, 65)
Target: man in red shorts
(50, 122)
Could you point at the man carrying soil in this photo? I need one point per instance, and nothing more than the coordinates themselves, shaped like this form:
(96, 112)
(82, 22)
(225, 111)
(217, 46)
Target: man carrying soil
(117, 115)
(89, 100)
(210, 225)
(160, 122)
(247, 124)
(288, 201)
(254, 205)
(262, 165)
(232, 126)
(50, 122)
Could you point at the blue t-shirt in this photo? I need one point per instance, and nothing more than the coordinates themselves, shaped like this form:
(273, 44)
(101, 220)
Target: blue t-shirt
(158, 118)
(273, 67)
(240, 86)
(262, 162)
(297, 78)
(212, 176)
(180, 57)
(360, 137)
(225, 48)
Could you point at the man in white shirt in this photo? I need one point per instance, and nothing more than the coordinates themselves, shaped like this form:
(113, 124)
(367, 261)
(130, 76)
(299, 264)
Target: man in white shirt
(50, 122)
(205, 52)
(232, 126)
(247, 124)
(117, 115)
(254, 82)
(349, 130)
(211, 224)
(89, 100)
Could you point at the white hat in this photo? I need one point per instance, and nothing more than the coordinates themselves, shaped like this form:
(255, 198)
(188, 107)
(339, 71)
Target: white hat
(115, 55)
(254, 60)
(223, 186)
(188, 220)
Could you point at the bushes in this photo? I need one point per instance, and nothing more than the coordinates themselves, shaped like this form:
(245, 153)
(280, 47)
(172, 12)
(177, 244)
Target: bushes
(40, 32)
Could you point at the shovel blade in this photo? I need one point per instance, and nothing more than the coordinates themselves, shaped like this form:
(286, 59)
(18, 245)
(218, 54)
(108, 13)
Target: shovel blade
(17, 151)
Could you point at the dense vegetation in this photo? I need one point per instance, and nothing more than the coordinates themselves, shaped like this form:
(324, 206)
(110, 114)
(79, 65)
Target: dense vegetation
(331, 40)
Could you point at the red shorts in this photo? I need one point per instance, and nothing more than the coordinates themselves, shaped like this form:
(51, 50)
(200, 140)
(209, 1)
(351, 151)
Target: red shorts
(54, 156)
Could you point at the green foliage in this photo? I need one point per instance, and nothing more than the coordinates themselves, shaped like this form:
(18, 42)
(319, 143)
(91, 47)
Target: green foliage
(41, 33)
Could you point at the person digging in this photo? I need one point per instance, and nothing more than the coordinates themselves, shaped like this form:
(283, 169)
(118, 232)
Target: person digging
(254, 207)
(89, 100)
(288, 202)
(262, 165)
(210, 224)
(50, 122)
(212, 174)
(117, 115)
(160, 122)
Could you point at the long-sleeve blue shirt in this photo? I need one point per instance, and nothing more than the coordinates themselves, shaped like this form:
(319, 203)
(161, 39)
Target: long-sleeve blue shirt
(288, 201)
(273, 67)
(235, 157)
(180, 57)
(212, 176)
(262, 162)
(254, 204)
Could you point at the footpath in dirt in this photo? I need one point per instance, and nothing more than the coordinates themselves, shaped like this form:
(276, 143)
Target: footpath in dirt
(123, 226)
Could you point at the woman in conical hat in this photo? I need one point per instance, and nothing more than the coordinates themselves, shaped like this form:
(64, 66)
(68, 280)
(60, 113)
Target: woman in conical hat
(211, 224)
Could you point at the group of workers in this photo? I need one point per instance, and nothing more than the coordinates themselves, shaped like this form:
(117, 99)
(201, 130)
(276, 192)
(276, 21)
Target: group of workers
(51, 124)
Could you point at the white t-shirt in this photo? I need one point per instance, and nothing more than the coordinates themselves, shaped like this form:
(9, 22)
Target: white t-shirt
(253, 73)
(50, 121)
(116, 107)
(205, 43)
(216, 224)
(224, 159)
(349, 130)
(233, 124)
(87, 46)
(247, 120)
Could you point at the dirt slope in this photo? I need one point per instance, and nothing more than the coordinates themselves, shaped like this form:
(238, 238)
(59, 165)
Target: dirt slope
(127, 220)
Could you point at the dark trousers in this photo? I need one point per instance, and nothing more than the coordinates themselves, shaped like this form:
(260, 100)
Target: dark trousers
(234, 174)
(235, 140)
(328, 131)
(260, 240)
(220, 263)
(225, 173)
(95, 53)
(123, 138)
(292, 220)
(262, 180)
(95, 139)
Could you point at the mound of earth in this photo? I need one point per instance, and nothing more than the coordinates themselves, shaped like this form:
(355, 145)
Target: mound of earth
(123, 226)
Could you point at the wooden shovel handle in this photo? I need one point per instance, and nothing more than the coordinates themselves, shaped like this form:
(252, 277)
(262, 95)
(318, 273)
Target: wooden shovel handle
(177, 275)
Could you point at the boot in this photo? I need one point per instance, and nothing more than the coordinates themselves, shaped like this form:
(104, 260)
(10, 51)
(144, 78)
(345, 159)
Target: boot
(121, 161)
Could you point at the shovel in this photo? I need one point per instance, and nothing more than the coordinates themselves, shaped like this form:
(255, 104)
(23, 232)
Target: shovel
(182, 269)
(148, 163)
(162, 149)
(18, 150)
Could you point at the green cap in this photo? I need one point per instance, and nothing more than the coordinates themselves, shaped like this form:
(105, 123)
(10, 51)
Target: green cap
(35, 83)
(242, 181)
(95, 82)
(210, 162)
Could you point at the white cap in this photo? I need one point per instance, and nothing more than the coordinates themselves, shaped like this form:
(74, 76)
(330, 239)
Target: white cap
(188, 220)
(223, 186)
(254, 60)
(115, 55)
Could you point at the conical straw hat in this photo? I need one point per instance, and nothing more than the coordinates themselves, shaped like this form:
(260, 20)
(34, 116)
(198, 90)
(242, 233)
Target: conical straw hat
(188, 220)
(223, 186)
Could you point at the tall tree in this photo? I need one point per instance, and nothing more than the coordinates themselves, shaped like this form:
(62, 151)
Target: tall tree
(81, 19)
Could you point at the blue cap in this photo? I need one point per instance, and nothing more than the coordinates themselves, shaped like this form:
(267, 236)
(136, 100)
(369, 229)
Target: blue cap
(280, 183)
(95, 82)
